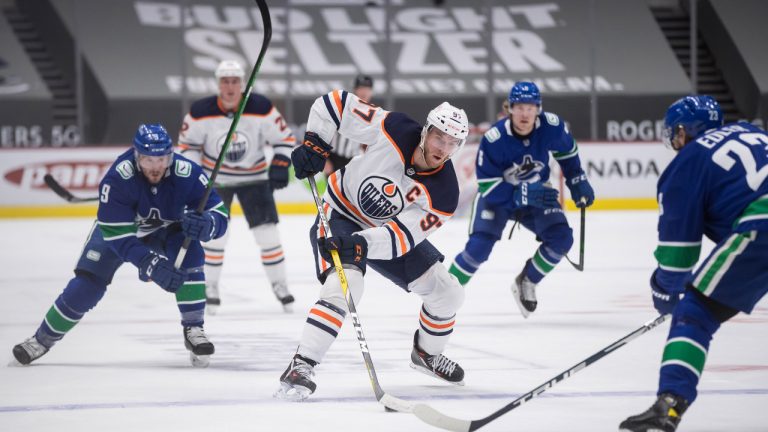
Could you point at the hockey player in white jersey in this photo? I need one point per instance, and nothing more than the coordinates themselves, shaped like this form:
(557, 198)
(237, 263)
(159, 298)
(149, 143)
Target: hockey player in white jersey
(381, 208)
(245, 171)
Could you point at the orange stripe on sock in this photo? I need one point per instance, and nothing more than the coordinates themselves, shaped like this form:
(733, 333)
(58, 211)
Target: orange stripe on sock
(326, 316)
(433, 325)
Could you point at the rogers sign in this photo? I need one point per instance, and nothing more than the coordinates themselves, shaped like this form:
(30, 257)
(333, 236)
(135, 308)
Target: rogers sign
(73, 175)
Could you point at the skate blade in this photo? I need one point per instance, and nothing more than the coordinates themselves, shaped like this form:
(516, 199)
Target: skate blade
(432, 374)
(290, 393)
(288, 308)
(15, 363)
(199, 361)
(211, 309)
(516, 295)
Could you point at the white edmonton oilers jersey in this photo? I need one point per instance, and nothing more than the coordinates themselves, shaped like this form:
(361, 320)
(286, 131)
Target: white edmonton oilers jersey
(205, 130)
(381, 190)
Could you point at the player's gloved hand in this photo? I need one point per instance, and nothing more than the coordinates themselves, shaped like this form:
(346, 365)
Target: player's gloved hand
(278, 172)
(198, 226)
(157, 268)
(352, 249)
(309, 158)
(581, 191)
(535, 195)
(663, 300)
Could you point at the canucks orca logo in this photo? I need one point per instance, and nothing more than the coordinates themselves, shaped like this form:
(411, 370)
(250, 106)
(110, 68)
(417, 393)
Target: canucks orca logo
(379, 198)
(526, 172)
(238, 146)
(151, 222)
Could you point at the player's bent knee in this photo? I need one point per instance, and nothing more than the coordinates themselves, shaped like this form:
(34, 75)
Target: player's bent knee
(266, 235)
(84, 291)
(558, 238)
(694, 309)
(442, 293)
(332, 292)
(479, 247)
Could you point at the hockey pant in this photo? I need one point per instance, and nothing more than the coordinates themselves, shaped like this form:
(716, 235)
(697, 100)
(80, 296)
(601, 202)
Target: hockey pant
(94, 271)
(419, 271)
(487, 224)
(733, 278)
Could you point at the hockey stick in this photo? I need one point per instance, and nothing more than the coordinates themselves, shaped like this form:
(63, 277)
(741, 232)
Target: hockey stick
(267, 23)
(580, 265)
(62, 192)
(389, 401)
(438, 419)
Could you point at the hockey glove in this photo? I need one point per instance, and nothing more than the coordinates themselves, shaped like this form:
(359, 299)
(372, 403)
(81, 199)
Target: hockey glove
(309, 158)
(278, 172)
(663, 300)
(535, 195)
(353, 249)
(198, 226)
(157, 268)
(581, 191)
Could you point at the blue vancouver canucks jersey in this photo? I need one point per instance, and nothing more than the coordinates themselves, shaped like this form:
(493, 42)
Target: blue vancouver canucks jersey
(714, 186)
(505, 159)
(131, 208)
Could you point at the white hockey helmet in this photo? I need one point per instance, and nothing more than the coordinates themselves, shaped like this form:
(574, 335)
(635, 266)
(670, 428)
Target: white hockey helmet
(448, 119)
(229, 68)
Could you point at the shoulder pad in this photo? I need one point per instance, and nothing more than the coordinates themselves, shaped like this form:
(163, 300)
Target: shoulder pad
(552, 119)
(204, 107)
(404, 131)
(258, 104)
(125, 169)
(492, 134)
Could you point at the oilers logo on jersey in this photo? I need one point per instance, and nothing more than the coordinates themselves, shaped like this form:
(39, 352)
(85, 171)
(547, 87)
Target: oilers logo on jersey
(238, 147)
(379, 198)
(526, 172)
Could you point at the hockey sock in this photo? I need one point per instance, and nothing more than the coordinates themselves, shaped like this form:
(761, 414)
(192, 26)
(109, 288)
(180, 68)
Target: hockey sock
(462, 269)
(190, 299)
(685, 353)
(434, 331)
(82, 293)
(268, 238)
(323, 324)
(542, 262)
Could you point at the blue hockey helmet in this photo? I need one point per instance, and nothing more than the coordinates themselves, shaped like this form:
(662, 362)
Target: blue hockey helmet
(524, 92)
(152, 140)
(696, 114)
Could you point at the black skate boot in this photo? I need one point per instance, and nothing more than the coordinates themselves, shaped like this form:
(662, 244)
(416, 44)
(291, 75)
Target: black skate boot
(212, 299)
(29, 351)
(198, 345)
(438, 365)
(296, 382)
(283, 296)
(663, 416)
(524, 292)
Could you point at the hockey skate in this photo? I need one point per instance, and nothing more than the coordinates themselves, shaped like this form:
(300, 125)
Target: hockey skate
(28, 351)
(663, 416)
(212, 300)
(283, 296)
(296, 382)
(524, 292)
(198, 345)
(438, 365)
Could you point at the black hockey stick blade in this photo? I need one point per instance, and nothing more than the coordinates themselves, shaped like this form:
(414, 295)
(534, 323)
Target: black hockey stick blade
(580, 265)
(60, 191)
(434, 417)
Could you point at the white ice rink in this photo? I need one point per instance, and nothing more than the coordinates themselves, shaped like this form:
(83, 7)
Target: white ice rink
(124, 367)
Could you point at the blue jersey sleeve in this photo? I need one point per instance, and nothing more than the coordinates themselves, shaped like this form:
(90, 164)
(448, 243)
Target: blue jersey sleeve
(490, 173)
(681, 219)
(214, 204)
(563, 146)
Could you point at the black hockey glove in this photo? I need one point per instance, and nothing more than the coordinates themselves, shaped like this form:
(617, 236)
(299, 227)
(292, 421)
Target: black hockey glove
(198, 226)
(535, 195)
(663, 300)
(353, 249)
(309, 158)
(581, 191)
(157, 268)
(278, 172)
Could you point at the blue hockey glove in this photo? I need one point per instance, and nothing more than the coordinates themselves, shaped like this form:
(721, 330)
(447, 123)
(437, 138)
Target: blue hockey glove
(309, 158)
(278, 172)
(663, 300)
(353, 249)
(581, 191)
(198, 226)
(535, 195)
(157, 268)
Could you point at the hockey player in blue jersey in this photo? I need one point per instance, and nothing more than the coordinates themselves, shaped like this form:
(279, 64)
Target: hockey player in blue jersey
(512, 169)
(146, 209)
(715, 186)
